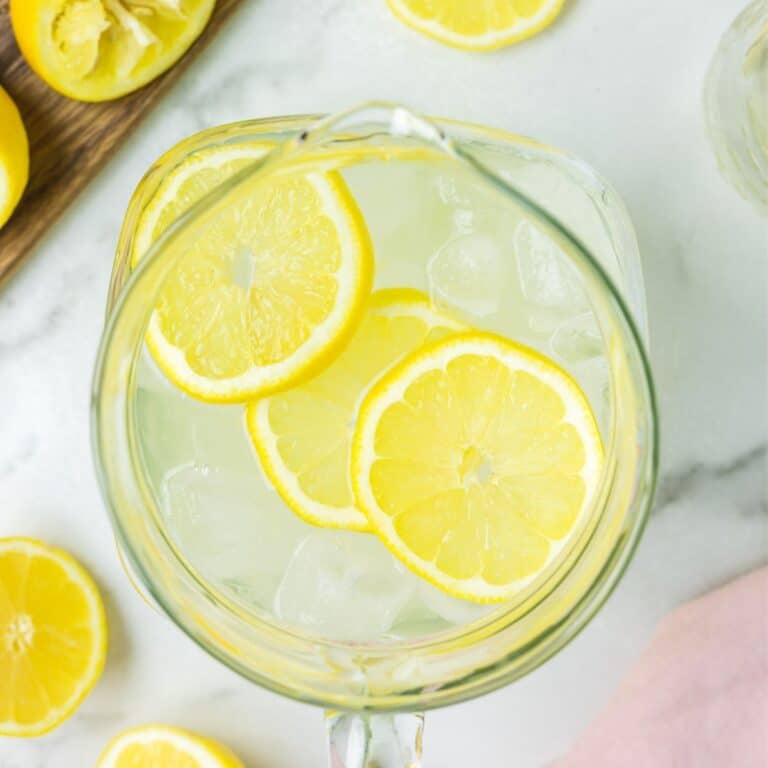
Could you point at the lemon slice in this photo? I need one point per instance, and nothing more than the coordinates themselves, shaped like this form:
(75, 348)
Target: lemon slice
(94, 50)
(475, 460)
(187, 184)
(53, 636)
(303, 436)
(270, 292)
(160, 746)
(474, 25)
(14, 157)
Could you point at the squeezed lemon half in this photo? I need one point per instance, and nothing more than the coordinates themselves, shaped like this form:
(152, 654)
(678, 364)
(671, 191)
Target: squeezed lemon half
(161, 746)
(53, 636)
(475, 25)
(95, 50)
(475, 460)
(270, 291)
(303, 436)
(14, 157)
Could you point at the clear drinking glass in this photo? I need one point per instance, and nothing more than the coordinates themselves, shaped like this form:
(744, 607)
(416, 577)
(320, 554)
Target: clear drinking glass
(375, 689)
(736, 104)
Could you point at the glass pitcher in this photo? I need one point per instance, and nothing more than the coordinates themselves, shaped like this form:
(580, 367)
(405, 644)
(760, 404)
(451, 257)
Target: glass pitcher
(515, 235)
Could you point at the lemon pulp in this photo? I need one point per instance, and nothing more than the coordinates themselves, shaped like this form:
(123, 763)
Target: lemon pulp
(96, 50)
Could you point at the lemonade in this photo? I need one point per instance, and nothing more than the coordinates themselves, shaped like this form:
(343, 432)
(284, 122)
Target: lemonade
(449, 257)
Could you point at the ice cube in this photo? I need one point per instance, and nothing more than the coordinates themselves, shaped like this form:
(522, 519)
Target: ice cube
(577, 339)
(343, 585)
(451, 609)
(594, 378)
(463, 220)
(450, 192)
(543, 321)
(417, 620)
(458, 199)
(176, 429)
(547, 278)
(232, 528)
(467, 274)
(149, 377)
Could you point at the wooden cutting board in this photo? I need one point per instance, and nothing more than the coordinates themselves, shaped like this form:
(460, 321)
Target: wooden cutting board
(70, 141)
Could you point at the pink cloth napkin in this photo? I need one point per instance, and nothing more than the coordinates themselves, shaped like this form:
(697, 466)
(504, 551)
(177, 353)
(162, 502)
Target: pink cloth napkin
(698, 696)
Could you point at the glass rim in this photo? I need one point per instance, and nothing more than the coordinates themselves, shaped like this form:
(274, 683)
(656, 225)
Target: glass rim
(479, 681)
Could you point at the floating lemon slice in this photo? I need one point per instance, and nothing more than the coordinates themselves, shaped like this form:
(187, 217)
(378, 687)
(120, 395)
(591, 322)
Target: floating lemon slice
(303, 435)
(475, 459)
(477, 26)
(53, 636)
(94, 50)
(160, 746)
(14, 157)
(270, 291)
(187, 184)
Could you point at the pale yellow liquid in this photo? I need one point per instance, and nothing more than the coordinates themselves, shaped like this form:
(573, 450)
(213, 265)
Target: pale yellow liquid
(459, 241)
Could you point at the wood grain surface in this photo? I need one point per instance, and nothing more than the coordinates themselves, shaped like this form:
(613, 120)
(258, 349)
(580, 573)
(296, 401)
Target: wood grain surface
(70, 141)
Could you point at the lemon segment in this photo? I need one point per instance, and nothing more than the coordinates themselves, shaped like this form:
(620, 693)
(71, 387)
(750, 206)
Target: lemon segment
(475, 460)
(477, 26)
(95, 50)
(269, 292)
(303, 436)
(153, 746)
(14, 157)
(53, 636)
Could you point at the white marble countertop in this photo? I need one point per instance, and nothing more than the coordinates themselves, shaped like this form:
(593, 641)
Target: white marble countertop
(617, 83)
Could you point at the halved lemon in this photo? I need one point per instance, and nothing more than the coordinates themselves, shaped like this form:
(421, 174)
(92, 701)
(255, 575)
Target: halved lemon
(303, 436)
(270, 291)
(475, 25)
(14, 157)
(95, 50)
(475, 460)
(53, 636)
(161, 746)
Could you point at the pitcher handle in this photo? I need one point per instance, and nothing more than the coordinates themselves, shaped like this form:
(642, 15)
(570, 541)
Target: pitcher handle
(360, 740)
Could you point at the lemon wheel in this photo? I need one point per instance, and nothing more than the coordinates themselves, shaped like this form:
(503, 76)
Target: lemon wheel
(270, 292)
(475, 460)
